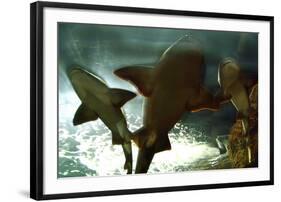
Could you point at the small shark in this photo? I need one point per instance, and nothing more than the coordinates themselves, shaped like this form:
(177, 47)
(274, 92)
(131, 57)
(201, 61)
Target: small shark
(233, 88)
(171, 88)
(100, 101)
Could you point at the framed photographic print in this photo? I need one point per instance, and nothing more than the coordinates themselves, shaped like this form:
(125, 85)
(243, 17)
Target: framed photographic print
(134, 100)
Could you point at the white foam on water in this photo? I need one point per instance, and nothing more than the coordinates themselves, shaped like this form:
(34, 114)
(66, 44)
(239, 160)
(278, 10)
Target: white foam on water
(95, 150)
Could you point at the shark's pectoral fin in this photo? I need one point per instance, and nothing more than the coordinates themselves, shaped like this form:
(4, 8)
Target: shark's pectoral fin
(140, 76)
(144, 138)
(204, 101)
(84, 114)
(119, 97)
(140, 137)
(162, 144)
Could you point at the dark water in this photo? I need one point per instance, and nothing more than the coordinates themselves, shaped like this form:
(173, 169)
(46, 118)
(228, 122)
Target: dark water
(86, 150)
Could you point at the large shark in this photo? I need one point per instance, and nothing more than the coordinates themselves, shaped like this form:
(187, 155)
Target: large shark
(100, 101)
(171, 88)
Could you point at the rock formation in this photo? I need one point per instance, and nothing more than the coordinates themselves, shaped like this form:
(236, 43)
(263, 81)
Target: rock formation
(238, 152)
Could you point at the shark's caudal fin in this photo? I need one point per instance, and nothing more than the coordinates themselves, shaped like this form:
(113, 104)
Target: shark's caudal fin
(140, 76)
(83, 115)
(119, 97)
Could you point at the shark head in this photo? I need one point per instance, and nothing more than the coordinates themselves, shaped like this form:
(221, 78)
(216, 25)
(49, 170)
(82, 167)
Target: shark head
(85, 82)
(78, 71)
(228, 72)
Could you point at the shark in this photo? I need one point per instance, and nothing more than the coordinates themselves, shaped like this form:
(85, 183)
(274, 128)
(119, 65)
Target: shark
(100, 101)
(171, 88)
(234, 90)
(229, 78)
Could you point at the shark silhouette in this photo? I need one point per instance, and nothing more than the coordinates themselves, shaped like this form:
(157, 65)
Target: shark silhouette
(171, 88)
(229, 78)
(233, 89)
(100, 101)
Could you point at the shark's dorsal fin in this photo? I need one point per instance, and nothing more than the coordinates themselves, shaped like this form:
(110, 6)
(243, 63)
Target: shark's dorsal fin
(140, 76)
(83, 115)
(119, 97)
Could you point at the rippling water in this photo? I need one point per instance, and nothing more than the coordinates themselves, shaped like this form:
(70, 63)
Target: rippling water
(86, 150)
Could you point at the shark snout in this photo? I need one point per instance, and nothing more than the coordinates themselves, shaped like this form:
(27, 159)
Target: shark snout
(185, 39)
(74, 71)
(122, 73)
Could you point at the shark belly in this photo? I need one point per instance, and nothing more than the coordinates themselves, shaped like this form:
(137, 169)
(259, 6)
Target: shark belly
(160, 115)
(112, 117)
(170, 94)
(161, 112)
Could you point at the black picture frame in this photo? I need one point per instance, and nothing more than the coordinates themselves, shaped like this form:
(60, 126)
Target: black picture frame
(36, 98)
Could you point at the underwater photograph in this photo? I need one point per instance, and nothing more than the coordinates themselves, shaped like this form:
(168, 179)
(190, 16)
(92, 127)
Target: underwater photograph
(150, 100)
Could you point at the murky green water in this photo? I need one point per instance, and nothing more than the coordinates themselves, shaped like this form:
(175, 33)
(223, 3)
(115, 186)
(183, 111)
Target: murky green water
(86, 150)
